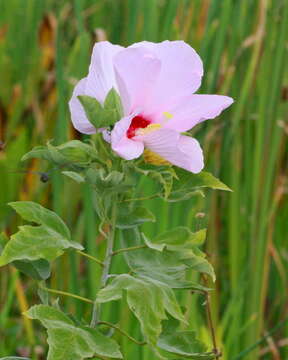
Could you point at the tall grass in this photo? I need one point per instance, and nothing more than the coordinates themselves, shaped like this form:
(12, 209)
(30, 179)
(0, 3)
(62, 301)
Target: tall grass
(44, 50)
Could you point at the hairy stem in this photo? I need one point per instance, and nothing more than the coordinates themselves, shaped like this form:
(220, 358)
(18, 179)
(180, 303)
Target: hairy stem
(90, 257)
(210, 324)
(122, 332)
(132, 248)
(106, 263)
(142, 198)
(64, 293)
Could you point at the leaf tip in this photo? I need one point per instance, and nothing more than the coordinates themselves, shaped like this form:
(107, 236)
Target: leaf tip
(24, 157)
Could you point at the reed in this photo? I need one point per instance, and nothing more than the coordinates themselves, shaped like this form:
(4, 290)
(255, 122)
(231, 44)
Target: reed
(244, 48)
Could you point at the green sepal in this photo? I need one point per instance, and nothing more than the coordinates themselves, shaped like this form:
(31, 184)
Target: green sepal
(103, 116)
(93, 110)
(113, 102)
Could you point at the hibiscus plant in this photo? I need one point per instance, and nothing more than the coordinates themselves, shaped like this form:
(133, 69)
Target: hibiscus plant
(139, 104)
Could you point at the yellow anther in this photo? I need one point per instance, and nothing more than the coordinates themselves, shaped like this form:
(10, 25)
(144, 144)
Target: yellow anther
(167, 115)
(153, 158)
(150, 128)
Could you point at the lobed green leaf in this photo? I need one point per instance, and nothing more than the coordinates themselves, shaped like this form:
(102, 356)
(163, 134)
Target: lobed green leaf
(181, 235)
(73, 154)
(37, 269)
(46, 241)
(165, 267)
(164, 175)
(67, 340)
(150, 312)
(184, 244)
(183, 344)
(189, 185)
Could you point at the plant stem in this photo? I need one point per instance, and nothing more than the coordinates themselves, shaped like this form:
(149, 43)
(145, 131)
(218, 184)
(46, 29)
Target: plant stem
(90, 257)
(110, 245)
(210, 323)
(132, 248)
(142, 198)
(122, 332)
(106, 264)
(64, 293)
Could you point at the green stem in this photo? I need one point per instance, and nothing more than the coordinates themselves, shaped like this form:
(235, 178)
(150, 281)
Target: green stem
(142, 198)
(122, 332)
(64, 293)
(91, 257)
(132, 248)
(102, 146)
(210, 323)
(106, 264)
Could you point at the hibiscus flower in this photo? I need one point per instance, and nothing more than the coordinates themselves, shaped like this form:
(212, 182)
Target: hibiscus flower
(156, 83)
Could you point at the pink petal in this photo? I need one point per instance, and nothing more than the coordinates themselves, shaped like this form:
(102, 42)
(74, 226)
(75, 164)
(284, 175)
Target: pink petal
(126, 148)
(106, 135)
(179, 150)
(78, 116)
(191, 148)
(195, 109)
(181, 72)
(137, 71)
(101, 76)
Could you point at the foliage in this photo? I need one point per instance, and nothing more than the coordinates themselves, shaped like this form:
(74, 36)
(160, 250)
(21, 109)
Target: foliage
(156, 267)
(149, 313)
(67, 339)
(47, 241)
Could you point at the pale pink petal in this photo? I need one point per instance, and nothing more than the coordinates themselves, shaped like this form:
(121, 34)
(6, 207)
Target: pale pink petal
(126, 148)
(106, 135)
(120, 129)
(181, 72)
(182, 151)
(195, 109)
(78, 116)
(101, 76)
(137, 71)
(191, 148)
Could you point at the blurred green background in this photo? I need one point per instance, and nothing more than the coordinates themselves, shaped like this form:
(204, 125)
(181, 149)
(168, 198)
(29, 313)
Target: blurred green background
(45, 48)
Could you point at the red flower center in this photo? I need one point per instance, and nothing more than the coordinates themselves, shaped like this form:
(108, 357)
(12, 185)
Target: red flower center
(136, 123)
